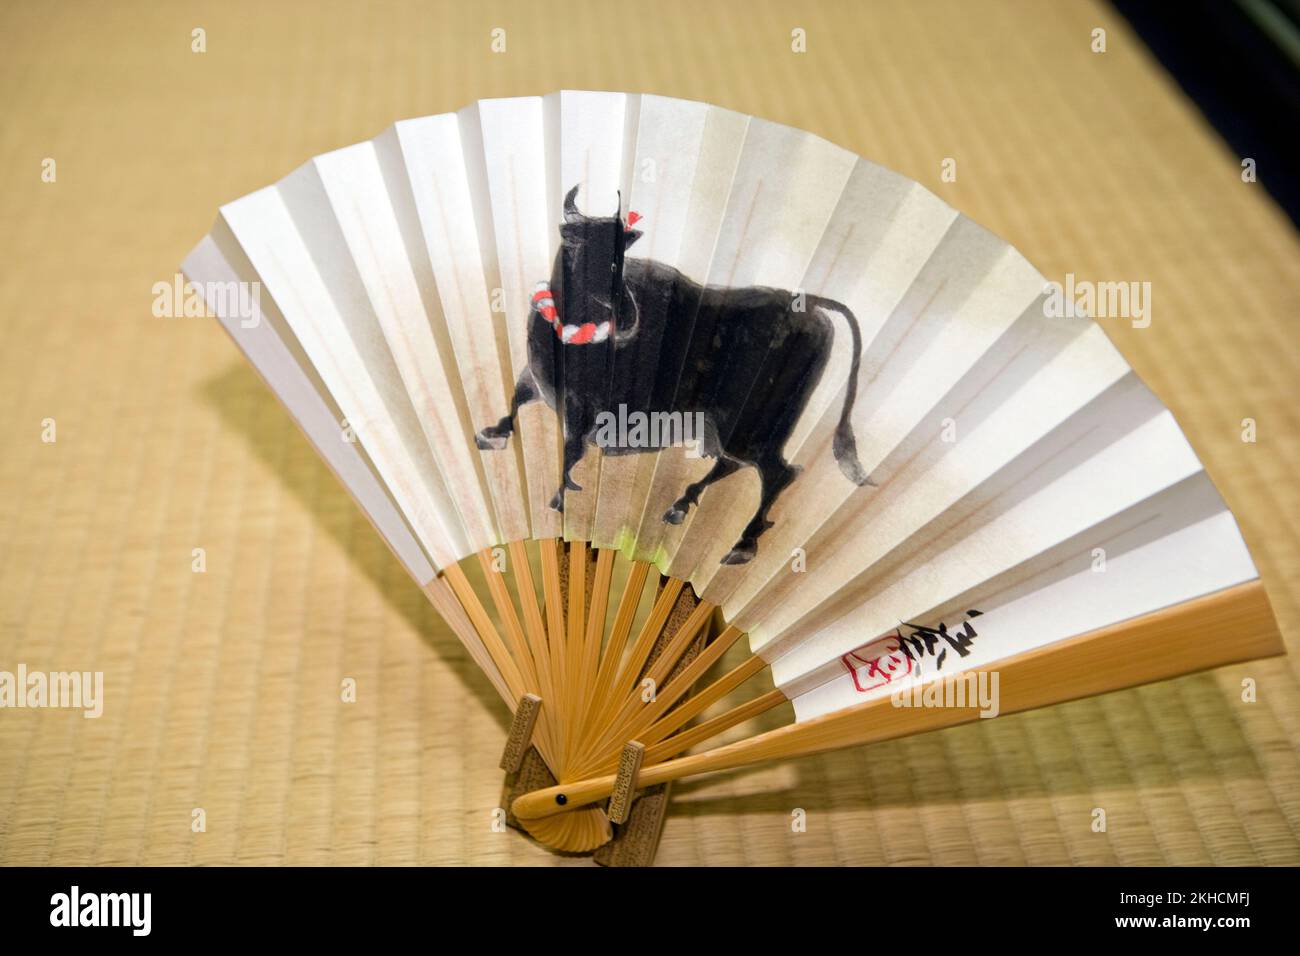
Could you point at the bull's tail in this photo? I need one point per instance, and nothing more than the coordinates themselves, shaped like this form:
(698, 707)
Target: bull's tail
(845, 446)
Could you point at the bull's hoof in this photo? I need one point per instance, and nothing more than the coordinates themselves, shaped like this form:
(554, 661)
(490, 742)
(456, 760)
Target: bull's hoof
(675, 515)
(490, 442)
(742, 553)
(557, 503)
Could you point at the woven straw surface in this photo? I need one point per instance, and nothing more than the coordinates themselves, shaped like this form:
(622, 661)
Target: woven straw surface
(223, 687)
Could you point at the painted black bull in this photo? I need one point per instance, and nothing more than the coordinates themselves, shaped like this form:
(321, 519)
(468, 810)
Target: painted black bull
(641, 335)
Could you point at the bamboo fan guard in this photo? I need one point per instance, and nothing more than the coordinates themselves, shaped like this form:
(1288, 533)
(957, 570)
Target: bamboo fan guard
(623, 379)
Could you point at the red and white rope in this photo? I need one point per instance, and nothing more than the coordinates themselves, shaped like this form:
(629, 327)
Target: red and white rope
(586, 334)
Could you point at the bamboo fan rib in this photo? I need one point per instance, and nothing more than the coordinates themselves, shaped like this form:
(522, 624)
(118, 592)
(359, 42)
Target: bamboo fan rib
(605, 368)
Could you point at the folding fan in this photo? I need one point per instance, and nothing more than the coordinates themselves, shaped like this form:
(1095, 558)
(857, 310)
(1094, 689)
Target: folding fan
(554, 343)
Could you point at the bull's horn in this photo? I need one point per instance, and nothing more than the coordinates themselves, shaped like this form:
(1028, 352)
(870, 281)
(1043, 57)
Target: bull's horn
(571, 213)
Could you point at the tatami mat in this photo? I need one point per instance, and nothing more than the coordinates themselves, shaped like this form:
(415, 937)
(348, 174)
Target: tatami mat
(222, 687)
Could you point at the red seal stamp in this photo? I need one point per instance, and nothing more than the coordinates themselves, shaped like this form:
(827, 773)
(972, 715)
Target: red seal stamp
(877, 664)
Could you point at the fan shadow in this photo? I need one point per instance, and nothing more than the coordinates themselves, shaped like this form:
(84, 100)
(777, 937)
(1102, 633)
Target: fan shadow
(1173, 735)
(246, 406)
